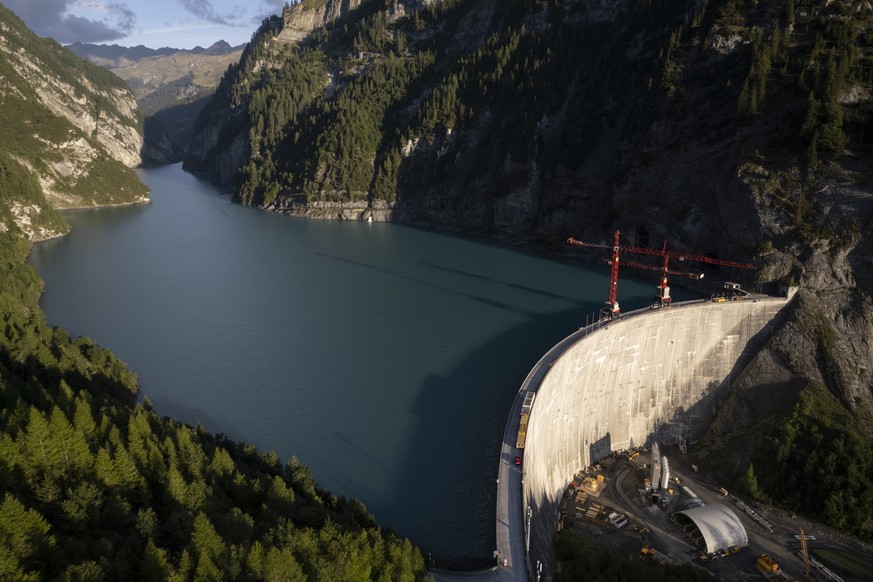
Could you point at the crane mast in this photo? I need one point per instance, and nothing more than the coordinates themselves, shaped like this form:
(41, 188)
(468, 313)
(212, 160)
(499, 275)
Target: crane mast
(611, 308)
(662, 298)
(807, 567)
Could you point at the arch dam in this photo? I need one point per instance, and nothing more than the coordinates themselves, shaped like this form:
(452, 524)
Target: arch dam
(651, 375)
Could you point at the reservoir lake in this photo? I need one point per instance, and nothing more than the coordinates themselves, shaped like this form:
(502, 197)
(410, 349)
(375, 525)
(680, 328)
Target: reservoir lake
(384, 357)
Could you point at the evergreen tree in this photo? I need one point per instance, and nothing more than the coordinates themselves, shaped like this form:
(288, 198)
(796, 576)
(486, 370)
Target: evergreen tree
(155, 566)
(24, 539)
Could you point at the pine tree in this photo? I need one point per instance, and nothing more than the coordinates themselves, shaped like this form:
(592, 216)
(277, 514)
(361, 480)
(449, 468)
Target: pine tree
(106, 470)
(131, 481)
(209, 547)
(256, 559)
(89, 571)
(82, 506)
(749, 483)
(10, 456)
(42, 457)
(185, 569)
(146, 522)
(24, 537)
(281, 566)
(77, 457)
(155, 566)
(83, 420)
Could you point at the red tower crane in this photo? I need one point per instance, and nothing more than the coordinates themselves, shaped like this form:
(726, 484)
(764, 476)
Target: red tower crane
(662, 296)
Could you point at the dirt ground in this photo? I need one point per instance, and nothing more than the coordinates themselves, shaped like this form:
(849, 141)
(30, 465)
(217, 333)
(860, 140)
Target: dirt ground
(586, 510)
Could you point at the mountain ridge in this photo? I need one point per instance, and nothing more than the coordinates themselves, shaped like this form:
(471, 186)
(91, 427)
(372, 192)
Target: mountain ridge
(111, 55)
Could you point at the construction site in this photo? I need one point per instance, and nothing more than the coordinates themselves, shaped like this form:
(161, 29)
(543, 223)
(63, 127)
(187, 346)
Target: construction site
(605, 419)
(633, 503)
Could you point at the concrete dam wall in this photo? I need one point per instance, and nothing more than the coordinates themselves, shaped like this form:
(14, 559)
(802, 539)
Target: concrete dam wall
(657, 376)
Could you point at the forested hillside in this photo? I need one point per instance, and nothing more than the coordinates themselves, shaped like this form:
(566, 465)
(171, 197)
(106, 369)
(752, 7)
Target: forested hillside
(94, 486)
(536, 117)
(740, 128)
(69, 133)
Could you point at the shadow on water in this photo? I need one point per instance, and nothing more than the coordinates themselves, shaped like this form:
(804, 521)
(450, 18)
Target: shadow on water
(431, 284)
(465, 455)
(455, 512)
(542, 292)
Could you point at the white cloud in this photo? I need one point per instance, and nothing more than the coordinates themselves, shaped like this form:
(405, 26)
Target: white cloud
(75, 20)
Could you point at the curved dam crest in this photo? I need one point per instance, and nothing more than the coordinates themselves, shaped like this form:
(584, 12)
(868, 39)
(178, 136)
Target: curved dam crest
(654, 376)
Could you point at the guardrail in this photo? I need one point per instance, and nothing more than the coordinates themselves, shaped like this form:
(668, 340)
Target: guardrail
(604, 322)
(762, 521)
(825, 571)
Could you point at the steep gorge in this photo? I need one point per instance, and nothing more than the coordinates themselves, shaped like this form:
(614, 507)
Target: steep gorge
(734, 127)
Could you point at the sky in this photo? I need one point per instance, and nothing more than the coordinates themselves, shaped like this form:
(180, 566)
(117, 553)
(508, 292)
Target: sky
(180, 24)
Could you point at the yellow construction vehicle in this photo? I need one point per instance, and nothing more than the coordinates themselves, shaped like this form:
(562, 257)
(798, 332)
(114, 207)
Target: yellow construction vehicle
(807, 567)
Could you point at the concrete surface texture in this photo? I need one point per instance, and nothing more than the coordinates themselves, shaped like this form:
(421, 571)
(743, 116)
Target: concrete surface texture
(653, 377)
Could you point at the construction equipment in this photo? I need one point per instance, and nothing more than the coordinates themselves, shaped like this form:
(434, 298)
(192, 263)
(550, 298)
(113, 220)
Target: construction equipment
(807, 567)
(611, 308)
(766, 564)
(522, 430)
(733, 291)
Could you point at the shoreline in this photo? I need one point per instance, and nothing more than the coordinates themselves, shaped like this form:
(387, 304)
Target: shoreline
(145, 201)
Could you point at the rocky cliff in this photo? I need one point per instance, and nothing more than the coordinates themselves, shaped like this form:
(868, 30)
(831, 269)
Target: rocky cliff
(300, 20)
(171, 86)
(220, 145)
(71, 125)
(106, 113)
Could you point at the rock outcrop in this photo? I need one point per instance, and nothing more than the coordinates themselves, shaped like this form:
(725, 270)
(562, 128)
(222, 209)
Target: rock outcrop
(108, 113)
(299, 20)
(71, 125)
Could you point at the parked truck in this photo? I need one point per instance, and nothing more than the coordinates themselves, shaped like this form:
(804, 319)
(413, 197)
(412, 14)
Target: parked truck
(522, 430)
(525, 417)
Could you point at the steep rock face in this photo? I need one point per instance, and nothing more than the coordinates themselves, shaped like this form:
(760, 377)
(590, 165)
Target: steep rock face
(216, 148)
(825, 341)
(219, 142)
(158, 149)
(171, 86)
(72, 127)
(205, 156)
(120, 135)
(115, 129)
(301, 20)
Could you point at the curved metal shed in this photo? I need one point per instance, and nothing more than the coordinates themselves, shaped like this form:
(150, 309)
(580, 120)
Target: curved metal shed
(716, 527)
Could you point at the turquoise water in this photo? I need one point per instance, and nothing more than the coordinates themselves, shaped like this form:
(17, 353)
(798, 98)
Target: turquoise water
(384, 357)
